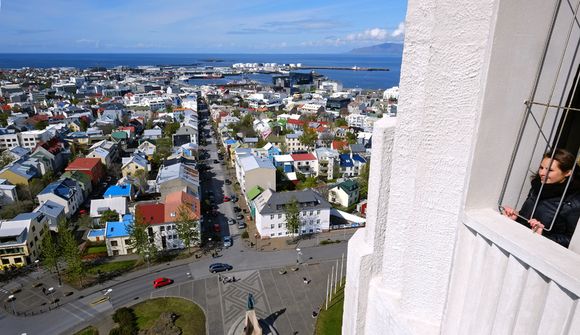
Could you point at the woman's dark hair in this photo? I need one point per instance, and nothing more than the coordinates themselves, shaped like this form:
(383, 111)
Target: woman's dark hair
(565, 161)
(564, 158)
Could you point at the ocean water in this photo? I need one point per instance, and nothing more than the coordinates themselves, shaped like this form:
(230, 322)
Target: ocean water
(349, 79)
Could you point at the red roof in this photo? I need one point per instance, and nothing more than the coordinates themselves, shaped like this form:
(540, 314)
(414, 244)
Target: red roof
(82, 163)
(303, 157)
(150, 213)
(338, 145)
(296, 122)
(5, 108)
(178, 198)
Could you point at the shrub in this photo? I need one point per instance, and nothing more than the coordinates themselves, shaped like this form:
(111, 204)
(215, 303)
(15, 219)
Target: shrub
(245, 234)
(125, 317)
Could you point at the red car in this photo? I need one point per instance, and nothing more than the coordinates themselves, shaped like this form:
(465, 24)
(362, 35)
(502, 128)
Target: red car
(160, 282)
(216, 227)
(226, 198)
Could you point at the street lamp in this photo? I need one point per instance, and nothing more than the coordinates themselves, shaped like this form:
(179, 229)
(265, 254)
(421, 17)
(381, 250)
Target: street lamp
(11, 298)
(147, 259)
(37, 264)
(298, 254)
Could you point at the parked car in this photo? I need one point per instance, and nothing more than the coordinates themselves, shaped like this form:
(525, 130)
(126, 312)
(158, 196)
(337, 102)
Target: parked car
(226, 198)
(160, 282)
(231, 222)
(216, 227)
(215, 161)
(234, 198)
(228, 182)
(227, 241)
(240, 216)
(237, 209)
(241, 225)
(219, 267)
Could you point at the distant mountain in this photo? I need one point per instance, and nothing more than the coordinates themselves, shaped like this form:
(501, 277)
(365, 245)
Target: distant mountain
(388, 49)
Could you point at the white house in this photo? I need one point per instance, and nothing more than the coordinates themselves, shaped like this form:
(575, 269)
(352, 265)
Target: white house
(65, 192)
(270, 209)
(99, 206)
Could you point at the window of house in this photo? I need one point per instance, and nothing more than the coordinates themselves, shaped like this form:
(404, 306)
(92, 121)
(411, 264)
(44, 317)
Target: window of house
(272, 217)
(271, 226)
(279, 225)
(33, 229)
(279, 216)
(318, 221)
(114, 243)
(127, 241)
(5, 261)
(162, 228)
(17, 259)
(31, 244)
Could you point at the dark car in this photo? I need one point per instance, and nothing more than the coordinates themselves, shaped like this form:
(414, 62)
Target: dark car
(241, 225)
(219, 267)
(228, 182)
(235, 199)
(215, 161)
(160, 282)
(216, 227)
(237, 209)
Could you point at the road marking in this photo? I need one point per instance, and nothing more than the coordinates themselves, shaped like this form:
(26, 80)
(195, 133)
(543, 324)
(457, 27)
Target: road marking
(72, 313)
(80, 309)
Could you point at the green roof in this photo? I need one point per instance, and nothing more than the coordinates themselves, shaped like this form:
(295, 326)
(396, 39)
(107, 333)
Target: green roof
(254, 192)
(348, 185)
(119, 135)
(78, 176)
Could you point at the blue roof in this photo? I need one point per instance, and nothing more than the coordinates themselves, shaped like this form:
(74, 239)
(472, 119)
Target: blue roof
(26, 216)
(230, 141)
(358, 157)
(96, 233)
(345, 160)
(117, 229)
(118, 191)
(128, 218)
(64, 188)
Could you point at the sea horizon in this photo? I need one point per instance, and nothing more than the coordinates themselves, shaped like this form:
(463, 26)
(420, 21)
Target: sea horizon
(349, 79)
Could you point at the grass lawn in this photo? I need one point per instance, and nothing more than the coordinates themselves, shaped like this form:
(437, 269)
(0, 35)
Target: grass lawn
(190, 317)
(113, 266)
(329, 321)
(97, 249)
(90, 330)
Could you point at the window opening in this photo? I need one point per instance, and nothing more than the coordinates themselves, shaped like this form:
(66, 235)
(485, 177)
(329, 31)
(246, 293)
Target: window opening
(551, 117)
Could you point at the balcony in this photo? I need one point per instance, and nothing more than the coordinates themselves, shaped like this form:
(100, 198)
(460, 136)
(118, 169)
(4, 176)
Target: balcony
(508, 280)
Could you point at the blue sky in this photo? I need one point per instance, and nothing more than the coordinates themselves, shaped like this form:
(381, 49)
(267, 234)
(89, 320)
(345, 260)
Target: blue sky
(198, 26)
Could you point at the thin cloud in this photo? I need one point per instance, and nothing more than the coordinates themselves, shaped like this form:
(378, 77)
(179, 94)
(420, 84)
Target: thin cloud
(400, 31)
(288, 27)
(33, 31)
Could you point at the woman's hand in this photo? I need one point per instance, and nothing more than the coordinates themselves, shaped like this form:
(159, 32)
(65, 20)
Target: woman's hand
(510, 212)
(537, 226)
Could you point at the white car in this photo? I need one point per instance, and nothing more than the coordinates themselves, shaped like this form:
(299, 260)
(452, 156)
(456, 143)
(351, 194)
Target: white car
(227, 241)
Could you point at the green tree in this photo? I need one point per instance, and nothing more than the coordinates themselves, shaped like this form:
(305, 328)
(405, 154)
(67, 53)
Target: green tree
(108, 216)
(139, 238)
(351, 138)
(50, 252)
(83, 124)
(186, 226)
(363, 180)
(308, 137)
(6, 159)
(340, 123)
(11, 210)
(4, 119)
(170, 129)
(40, 125)
(70, 252)
(141, 179)
(309, 182)
(292, 212)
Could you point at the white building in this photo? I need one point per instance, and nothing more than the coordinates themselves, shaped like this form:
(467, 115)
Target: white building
(436, 256)
(100, 206)
(30, 138)
(9, 140)
(270, 209)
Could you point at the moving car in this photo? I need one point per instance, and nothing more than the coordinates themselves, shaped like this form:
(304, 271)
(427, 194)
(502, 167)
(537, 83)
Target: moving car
(227, 241)
(160, 282)
(219, 267)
